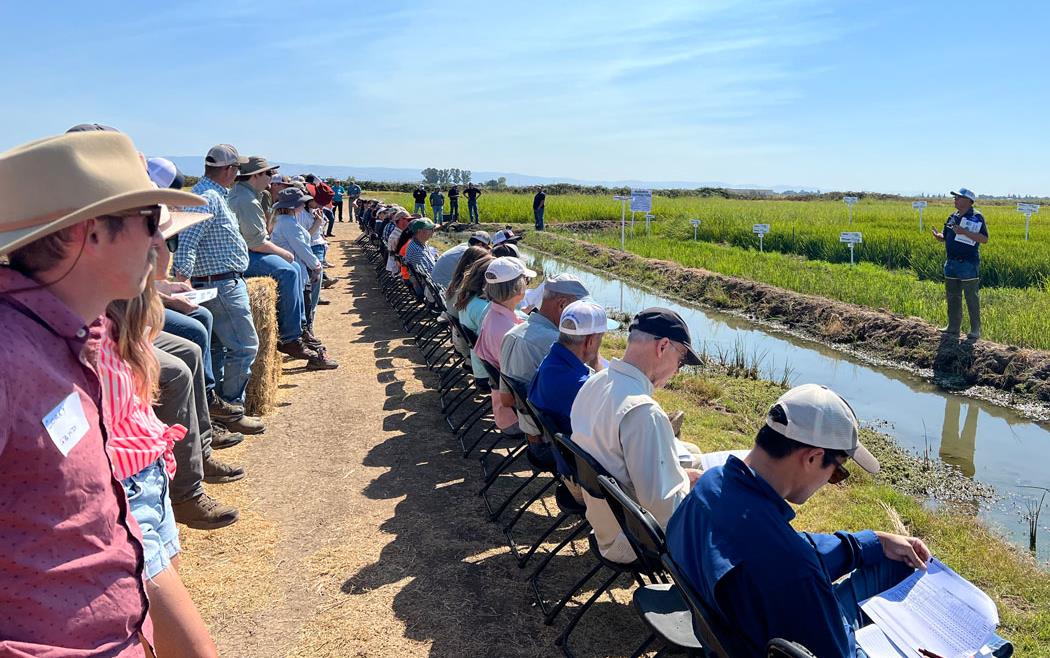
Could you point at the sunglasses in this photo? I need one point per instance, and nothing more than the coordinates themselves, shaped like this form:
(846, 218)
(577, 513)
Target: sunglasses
(150, 213)
(173, 243)
(839, 474)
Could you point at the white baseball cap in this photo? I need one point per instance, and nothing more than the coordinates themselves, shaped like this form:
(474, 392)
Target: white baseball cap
(505, 235)
(506, 268)
(583, 318)
(567, 284)
(969, 194)
(818, 416)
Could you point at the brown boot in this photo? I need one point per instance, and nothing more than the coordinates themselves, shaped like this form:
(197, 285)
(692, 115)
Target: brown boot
(204, 513)
(221, 438)
(217, 472)
(321, 361)
(245, 425)
(294, 349)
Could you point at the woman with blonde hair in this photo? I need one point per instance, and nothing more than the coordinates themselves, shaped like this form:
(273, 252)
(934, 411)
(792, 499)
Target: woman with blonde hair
(140, 450)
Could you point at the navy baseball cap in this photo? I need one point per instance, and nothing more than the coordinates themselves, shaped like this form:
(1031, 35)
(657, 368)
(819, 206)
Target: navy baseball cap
(665, 323)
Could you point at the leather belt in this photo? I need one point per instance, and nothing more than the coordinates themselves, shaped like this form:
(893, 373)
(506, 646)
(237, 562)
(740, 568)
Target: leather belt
(212, 278)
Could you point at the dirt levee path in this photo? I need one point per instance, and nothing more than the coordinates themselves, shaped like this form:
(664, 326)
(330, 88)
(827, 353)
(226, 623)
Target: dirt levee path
(361, 534)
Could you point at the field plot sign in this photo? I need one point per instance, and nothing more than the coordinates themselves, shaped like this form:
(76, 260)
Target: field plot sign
(648, 218)
(641, 201)
(760, 230)
(851, 238)
(920, 206)
(696, 225)
(1028, 209)
(850, 201)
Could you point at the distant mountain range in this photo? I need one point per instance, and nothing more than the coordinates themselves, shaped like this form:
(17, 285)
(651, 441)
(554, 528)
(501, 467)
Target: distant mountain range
(194, 166)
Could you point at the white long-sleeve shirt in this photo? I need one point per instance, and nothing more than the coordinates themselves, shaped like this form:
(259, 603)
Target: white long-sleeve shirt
(616, 421)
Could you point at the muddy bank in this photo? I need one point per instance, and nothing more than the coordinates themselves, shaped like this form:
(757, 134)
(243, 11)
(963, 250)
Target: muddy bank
(1008, 375)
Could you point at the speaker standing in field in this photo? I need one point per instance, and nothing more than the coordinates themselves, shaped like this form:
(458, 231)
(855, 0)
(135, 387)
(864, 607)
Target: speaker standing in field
(539, 203)
(963, 234)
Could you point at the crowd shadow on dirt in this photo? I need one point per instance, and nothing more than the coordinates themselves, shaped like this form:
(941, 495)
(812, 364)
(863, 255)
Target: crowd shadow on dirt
(460, 589)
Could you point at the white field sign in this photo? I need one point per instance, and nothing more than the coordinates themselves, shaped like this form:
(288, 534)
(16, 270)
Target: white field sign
(851, 238)
(696, 225)
(850, 201)
(1028, 209)
(760, 230)
(920, 206)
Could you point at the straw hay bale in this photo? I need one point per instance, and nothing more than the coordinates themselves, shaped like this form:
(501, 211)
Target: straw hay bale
(261, 395)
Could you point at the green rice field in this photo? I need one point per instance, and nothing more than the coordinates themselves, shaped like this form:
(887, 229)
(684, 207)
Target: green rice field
(808, 228)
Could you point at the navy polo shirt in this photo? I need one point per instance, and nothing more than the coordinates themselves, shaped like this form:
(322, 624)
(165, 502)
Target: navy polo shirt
(960, 250)
(733, 540)
(559, 378)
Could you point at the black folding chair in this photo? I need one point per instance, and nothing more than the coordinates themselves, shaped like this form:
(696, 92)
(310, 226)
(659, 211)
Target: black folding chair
(659, 604)
(587, 471)
(711, 632)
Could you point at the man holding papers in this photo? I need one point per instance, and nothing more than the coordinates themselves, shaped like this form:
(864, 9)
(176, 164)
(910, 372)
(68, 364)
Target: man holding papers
(964, 233)
(733, 540)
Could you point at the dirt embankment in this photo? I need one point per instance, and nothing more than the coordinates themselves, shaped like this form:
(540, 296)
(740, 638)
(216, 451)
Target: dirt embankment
(880, 334)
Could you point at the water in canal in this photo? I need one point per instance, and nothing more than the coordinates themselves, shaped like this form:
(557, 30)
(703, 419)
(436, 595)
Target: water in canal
(992, 444)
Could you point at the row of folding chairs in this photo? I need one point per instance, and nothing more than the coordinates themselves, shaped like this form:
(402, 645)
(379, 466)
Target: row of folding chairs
(675, 615)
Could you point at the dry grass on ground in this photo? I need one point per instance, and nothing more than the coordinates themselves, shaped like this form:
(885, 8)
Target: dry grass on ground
(361, 532)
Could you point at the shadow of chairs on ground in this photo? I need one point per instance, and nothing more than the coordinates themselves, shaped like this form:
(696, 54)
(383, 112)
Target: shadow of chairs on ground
(460, 589)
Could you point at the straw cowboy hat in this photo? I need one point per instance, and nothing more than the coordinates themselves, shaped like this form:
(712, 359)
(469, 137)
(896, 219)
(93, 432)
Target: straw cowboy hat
(53, 183)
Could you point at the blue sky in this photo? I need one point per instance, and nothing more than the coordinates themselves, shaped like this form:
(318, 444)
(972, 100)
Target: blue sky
(891, 96)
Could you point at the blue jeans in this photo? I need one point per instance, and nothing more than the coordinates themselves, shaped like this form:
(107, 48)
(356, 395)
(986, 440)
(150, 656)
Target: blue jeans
(961, 269)
(195, 327)
(420, 209)
(234, 342)
(330, 214)
(320, 250)
(865, 583)
(149, 503)
(472, 210)
(438, 214)
(538, 214)
(291, 312)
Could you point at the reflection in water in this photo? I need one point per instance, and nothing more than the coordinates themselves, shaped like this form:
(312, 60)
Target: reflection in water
(1014, 451)
(957, 447)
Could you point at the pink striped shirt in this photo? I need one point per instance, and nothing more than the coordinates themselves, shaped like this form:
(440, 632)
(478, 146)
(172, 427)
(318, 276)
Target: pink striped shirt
(137, 438)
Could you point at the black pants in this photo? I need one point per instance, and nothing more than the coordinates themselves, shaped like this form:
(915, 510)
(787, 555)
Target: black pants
(453, 209)
(339, 208)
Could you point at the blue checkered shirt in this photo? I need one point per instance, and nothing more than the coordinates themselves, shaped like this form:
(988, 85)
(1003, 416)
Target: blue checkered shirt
(214, 246)
(420, 255)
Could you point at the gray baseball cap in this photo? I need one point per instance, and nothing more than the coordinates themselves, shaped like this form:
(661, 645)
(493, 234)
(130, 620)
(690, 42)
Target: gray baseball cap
(566, 284)
(224, 155)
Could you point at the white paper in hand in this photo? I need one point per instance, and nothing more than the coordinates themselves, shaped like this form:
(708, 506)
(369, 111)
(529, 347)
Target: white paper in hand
(971, 226)
(937, 610)
(198, 296)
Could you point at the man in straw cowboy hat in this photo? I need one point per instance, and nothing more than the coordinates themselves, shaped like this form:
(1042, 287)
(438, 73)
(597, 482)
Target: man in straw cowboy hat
(71, 567)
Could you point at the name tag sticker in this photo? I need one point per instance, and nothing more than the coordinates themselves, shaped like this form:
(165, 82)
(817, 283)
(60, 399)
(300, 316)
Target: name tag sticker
(66, 423)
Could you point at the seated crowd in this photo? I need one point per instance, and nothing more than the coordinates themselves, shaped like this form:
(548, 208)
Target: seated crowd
(728, 527)
(126, 386)
(107, 443)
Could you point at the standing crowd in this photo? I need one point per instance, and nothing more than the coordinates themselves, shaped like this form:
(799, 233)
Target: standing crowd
(129, 342)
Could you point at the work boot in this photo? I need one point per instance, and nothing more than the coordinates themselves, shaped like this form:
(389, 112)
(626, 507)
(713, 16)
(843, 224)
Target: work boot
(321, 361)
(328, 282)
(221, 438)
(294, 349)
(204, 513)
(310, 340)
(973, 307)
(217, 472)
(953, 294)
(220, 410)
(244, 425)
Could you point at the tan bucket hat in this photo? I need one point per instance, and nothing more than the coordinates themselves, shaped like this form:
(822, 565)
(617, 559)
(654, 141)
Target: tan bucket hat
(77, 176)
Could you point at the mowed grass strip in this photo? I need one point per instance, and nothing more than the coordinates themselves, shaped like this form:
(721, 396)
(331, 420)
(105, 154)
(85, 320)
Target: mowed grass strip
(724, 413)
(1010, 316)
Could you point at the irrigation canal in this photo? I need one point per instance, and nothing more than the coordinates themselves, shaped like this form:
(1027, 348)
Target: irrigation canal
(991, 444)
